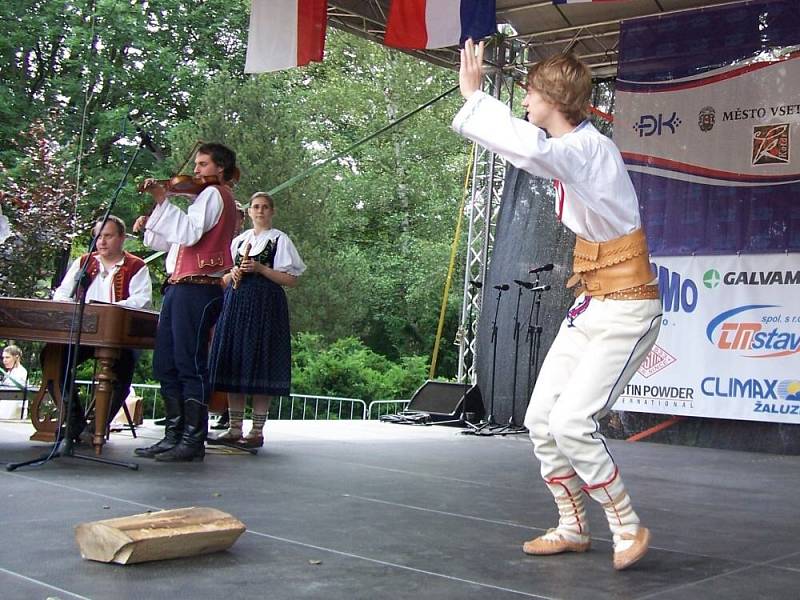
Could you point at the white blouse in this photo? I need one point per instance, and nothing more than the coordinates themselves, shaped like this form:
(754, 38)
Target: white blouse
(168, 227)
(599, 201)
(16, 378)
(287, 259)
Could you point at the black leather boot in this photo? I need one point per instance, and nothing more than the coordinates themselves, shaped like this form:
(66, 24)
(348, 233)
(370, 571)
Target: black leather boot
(77, 421)
(193, 443)
(173, 430)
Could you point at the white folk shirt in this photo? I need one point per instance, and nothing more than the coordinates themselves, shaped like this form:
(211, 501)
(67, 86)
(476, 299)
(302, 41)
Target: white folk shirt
(599, 201)
(168, 227)
(287, 259)
(102, 287)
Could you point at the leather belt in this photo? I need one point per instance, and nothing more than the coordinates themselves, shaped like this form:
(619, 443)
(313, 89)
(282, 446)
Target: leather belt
(639, 292)
(198, 280)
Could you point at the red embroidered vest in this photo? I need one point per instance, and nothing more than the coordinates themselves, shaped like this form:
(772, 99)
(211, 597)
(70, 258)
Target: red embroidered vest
(122, 278)
(212, 253)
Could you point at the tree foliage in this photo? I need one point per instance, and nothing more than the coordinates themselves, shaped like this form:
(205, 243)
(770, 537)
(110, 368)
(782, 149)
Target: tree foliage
(348, 368)
(40, 200)
(375, 228)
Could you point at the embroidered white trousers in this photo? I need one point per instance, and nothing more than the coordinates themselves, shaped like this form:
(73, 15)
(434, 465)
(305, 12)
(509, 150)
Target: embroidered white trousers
(598, 348)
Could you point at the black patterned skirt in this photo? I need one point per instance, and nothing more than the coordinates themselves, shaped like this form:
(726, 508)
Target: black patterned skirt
(251, 352)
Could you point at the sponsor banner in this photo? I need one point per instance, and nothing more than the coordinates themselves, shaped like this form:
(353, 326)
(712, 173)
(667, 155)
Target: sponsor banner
(729, 345)
(711, 135)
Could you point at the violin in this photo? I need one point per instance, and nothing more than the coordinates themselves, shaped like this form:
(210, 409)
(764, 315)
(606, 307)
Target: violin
(187, 185)
(182, 185)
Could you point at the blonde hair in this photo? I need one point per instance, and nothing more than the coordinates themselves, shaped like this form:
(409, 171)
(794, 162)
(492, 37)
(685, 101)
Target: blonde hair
(264, 195)
(14, 351)
(565, 81)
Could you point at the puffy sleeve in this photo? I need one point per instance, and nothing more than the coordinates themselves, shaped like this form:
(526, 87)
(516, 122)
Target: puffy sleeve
(287, 259)
(235, 243)
(5, 228)
(168, 224)
(489, 122)
(141, 290)
(63, 292)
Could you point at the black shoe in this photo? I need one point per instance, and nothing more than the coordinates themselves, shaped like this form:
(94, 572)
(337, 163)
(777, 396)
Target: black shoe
(195, 430)
(160, 422)
(182, 453)
(164, 445)
(173, 431)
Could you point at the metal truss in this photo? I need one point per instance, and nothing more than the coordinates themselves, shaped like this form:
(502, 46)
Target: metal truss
(488, 176)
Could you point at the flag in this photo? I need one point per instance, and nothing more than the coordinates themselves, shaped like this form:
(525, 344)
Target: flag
(582, 1)
(285, 33)
(417, 24)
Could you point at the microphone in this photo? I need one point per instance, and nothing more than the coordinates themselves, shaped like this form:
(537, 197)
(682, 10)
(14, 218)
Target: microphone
(547, 267)
(502, 287)
(540, 288)
(525, 284)
(147, 142)
(476, 284)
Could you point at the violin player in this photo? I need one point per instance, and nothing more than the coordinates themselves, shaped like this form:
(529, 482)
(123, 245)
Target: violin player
(197, 242)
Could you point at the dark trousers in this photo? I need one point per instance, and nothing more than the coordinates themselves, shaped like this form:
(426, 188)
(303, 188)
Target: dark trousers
(123, 369)
(180, 361)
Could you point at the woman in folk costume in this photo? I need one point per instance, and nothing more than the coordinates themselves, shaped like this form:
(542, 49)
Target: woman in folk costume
(616, 317)
(251, 351)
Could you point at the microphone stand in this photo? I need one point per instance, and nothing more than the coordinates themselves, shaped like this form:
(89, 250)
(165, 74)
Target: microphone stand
(512, 427)
(64, 447)
(534, 335)
(485, 426)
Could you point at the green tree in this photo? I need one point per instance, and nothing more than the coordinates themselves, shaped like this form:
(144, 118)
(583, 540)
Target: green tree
(40, 201)
(375, 228)
(109, 66)
(348, 368)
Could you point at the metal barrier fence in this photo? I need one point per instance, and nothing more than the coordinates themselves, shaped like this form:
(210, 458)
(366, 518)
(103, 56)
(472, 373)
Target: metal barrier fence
(296, 406)
(352, 408)
(386, 407)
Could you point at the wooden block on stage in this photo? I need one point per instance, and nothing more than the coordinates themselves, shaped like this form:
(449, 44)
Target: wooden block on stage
(158, 535)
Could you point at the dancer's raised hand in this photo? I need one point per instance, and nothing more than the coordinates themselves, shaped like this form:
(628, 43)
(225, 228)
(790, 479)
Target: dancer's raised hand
(469, 74)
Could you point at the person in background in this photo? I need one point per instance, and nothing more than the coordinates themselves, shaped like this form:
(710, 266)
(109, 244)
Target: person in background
(15, 376)
(251, 351)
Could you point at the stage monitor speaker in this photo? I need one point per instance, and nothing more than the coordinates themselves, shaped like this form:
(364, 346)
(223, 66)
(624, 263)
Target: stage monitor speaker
(442, 400)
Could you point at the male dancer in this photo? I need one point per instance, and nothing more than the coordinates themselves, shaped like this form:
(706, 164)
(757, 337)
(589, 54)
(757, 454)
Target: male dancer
(198, 241)
(615, 319)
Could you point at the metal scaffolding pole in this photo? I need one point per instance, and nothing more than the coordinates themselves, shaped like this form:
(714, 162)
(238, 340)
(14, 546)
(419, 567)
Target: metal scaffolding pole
(488, 176)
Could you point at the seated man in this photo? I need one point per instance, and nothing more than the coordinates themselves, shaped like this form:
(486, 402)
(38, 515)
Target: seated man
(113, 276)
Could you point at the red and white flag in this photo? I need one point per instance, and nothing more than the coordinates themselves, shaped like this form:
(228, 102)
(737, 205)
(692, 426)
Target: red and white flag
(285, 33)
